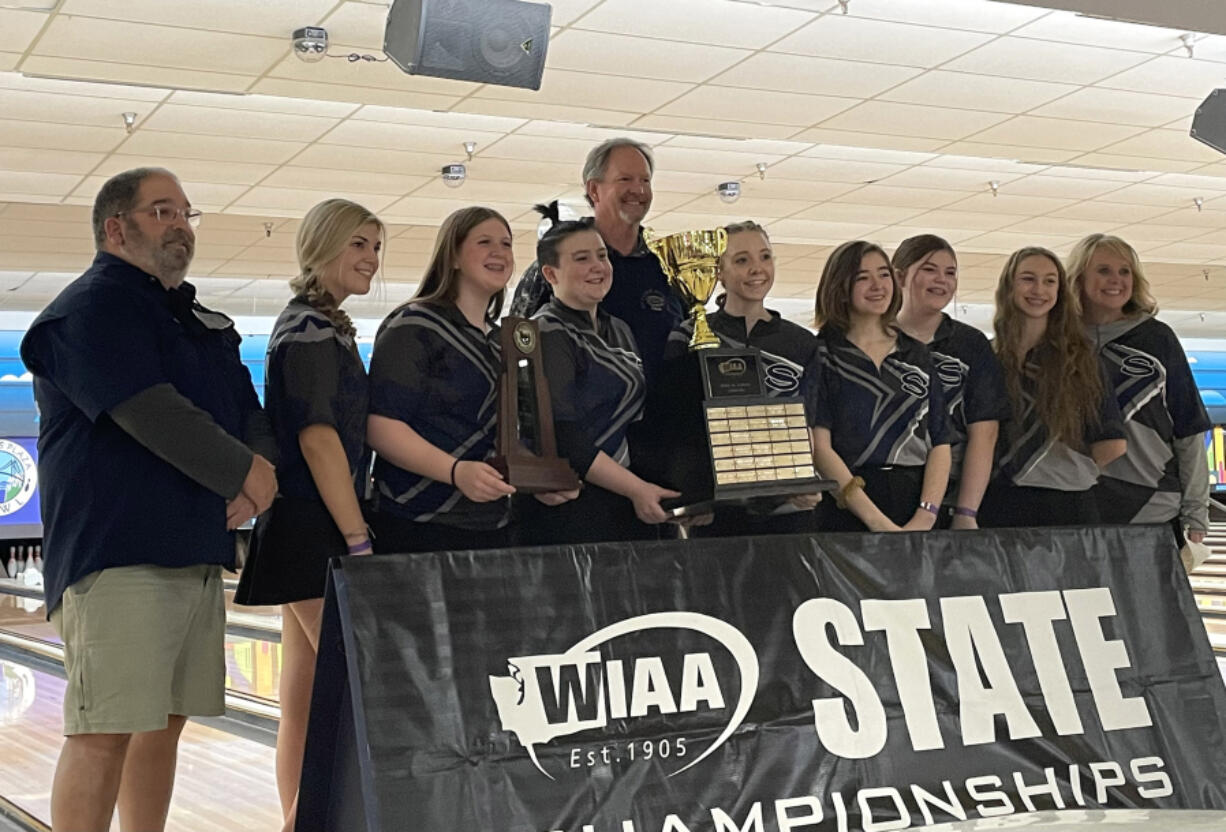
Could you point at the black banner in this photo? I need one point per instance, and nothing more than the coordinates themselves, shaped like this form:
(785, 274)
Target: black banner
(837, 682)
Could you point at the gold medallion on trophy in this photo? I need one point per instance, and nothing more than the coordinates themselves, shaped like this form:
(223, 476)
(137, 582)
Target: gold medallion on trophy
(690, 260)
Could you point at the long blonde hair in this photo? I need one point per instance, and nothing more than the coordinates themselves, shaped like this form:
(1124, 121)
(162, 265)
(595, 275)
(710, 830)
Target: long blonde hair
(1069, 385)
(1079, 260)
(441, 282)
(325, 231)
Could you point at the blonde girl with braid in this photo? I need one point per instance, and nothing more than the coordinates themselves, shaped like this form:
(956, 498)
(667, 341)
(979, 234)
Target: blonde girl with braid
(316, 395)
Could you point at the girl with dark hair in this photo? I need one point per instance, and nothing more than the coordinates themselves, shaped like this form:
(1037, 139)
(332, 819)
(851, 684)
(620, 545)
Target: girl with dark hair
(434, 397)
(596, 389)
(1163, 477)
(789, 365)
(315, 394)
(880, 415)
(926, 270)
(1065, 424)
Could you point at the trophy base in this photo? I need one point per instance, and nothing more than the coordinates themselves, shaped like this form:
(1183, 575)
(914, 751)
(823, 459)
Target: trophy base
(536, 474)
(758, 494)
(703, 338)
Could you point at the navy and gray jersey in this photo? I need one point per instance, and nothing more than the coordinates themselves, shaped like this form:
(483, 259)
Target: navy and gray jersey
(789, 351)
(1027, 455)
(313, 376)
(878, 417)
(1160, 404)
(437, 373)
(595, 380)
(972, 381)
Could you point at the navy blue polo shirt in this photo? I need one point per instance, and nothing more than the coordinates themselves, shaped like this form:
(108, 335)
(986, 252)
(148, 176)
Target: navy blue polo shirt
(437, 373)
(878, 417)
(595, 380)
(641, 297)
(313, 376)
(107, 500)
(972, 381)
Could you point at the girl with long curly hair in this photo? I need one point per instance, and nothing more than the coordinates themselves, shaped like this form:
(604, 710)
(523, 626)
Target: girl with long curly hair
(1065, 424)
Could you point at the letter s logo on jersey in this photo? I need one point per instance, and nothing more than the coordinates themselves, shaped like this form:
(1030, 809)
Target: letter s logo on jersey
(1138, 366)
(949, 370)
(914, 383)
(782, 378)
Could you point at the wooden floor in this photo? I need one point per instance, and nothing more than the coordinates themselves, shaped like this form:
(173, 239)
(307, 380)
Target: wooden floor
(224, 782)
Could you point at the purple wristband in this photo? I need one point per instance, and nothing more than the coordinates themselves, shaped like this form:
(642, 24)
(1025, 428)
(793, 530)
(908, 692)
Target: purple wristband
(931, 508)
(356, 548)
(963, 511)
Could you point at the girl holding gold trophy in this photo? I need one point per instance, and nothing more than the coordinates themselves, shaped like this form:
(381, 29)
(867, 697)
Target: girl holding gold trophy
(790, 366)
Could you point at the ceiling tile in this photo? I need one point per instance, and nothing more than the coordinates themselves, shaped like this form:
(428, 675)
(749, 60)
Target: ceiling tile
(434, 118)
(864, 214)
(357, 25)
(47, 184)
(20, 28)
(408, 162)
(1119, 107)
(263, 103)
(566, 12)
(830, 232)
(1112, 213)
(719, 103)
(8, 60)
(1069, 27)
(965, 220)
(1044, 61)
(674, 60)
(48, 161)
(977, 92)
(581, 89)
(347, 94)
(1058, 133)
(715, 128)
(1138, 165)
(1040, 156)
(212, 121)
(950, 179)
(56, 68)
(911, 197)
(40, 135)
(1144, 193)
(974, 15)
(297, 201)
(544, 111)
(725, 162)
(189, 170)
(217, 148)
(718, 22)
(1007, 204)
(856, 38)
(100, 39)
(1010, 241)
(523, 194)
(268, 17)
(832, 170)
(1170, 75)
(380, 74)
(808, 75)
(397, 136)
(913, 120)
(344, 181)
(1164, 144)
(1064, 187)
(875, 141)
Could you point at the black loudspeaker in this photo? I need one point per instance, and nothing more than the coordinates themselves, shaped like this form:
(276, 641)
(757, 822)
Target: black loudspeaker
(490, 41)
(1209, 123)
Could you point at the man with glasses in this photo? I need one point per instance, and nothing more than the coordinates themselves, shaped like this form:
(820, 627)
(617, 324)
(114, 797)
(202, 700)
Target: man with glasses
(148, 420)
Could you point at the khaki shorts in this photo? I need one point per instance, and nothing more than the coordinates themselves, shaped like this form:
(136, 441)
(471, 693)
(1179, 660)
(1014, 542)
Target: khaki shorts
(141, 643)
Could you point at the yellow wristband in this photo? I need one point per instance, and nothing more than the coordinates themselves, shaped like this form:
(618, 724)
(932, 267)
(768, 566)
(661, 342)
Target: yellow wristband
(840, 499)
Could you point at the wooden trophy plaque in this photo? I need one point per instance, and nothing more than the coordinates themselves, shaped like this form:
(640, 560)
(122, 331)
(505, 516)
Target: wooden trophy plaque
(527, 452)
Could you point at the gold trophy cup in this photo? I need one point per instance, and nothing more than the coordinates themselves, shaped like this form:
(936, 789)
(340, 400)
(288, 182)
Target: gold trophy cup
(690, 260)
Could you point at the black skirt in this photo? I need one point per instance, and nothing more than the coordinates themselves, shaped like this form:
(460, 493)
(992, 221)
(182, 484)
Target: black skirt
(894, 489)
(290, 549)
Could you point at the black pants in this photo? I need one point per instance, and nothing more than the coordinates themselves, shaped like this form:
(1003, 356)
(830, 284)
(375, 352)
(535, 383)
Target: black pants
(393, 534)
(1120, 502)
(1007, 505)
(895, 489)
(597, 516)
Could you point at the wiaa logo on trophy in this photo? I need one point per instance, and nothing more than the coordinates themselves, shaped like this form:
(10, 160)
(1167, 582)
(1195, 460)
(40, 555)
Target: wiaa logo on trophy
(548, 696)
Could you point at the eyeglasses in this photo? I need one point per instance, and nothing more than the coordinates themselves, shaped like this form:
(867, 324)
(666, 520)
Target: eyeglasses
(165, 214)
